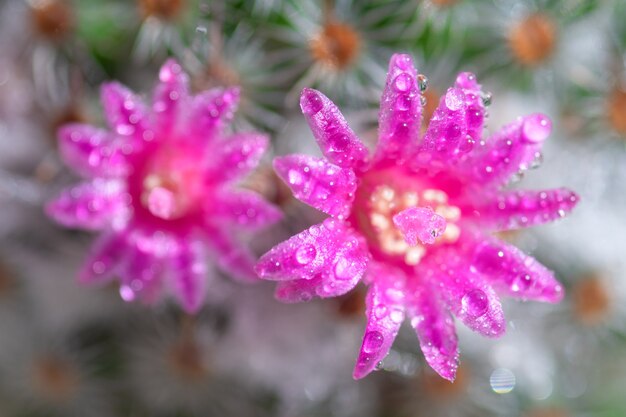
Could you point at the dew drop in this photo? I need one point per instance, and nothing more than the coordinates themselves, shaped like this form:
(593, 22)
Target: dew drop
(454, 99)
(521, 283)
(402, 82)
(380, 311)
(536, 128)
(422, 82)
(305, 254)
(486, 97)
(396, 315)
(343, 269)
(311, 102)
(372, 341)
(475, 303)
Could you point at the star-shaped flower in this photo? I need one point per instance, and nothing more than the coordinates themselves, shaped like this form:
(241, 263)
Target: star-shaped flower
(160, 185)
(415, 219)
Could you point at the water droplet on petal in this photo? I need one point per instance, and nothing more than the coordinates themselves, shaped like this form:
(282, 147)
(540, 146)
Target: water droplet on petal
(486, 97)
(396, 315)
(475, 303)
(402, 82)
(343, 269)
(521, 283)
(454, 99)
(422, 82)
(372, 341)
(305, 254)
(311, 102)
(536, 128)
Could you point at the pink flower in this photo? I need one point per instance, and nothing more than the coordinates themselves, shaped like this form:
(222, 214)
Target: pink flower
(414, 220)
(160, 187)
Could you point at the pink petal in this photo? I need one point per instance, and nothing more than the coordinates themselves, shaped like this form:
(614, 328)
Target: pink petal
(104, 259)
(334, 137)
(420, 224)
(243, 208)
(475, 109)
(465, 293)
(385, 314)
(317, 182)
(516, 274)
(170, 94)
(126, 113)
(91, 206)
(447, 133)
(141, 276)
(93, 152)
(189, 275)
(237, 156)
(330, 250)
(232, 256)
(211, 111)
(515, 148)
(400, 109)
(517, 209)
(435, 330)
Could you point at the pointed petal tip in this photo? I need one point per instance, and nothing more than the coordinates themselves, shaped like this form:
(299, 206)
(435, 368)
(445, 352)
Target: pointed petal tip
(170, 71)
(401, 61)
(467, 81)
(536, 128)
(311, 101)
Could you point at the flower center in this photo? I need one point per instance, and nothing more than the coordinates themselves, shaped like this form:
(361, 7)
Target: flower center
(172, 185)
(336, 46)
(164, 9)
(52, 19)
(55, 378)
(378, 201)
(533, 39)
(591, 300)
(616, 110)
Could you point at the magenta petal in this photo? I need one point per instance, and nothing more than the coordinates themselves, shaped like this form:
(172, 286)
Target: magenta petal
(514, 148)
(238, 155)
(211, 111)
(435, 330)
(126, 113)
(189, 275)
(385, 313)
(104, 259)
(330, 249)
(231, 255)
(334, 137)
(517, 209)
(91, 206)
(141, 276)
(170, 94)
(400, 109)
(317, 182)
(93, 152)
(475, 109)
(516, 274)
(420, 224)
(467, 295)
(243, 208)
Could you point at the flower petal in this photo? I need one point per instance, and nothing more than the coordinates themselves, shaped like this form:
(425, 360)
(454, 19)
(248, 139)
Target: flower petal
(189, 275)
(331, 251)
(475, 108)
(91, 206)
(93, 152)
(515, 148)
(317, 182)
(104, 259)
(231, 255)
(521, 208)
(465, 293)
(126, 113)
(211, 111)
(335, 138)
(516, 274)
(243, 208)
(237, 156)
(420, 224)
(400, 109)
(435, 330)
(141, 276)
(171, 92)
(385, 314)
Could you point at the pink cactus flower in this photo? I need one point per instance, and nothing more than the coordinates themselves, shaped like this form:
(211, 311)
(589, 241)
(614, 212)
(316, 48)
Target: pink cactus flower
(160, 186)
(415, 219)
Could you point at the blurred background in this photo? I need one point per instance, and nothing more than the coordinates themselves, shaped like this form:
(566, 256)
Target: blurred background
(67, 350)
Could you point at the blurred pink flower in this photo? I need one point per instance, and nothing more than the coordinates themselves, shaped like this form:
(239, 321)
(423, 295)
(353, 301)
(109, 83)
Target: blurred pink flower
(415, 219)
(160, 187)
